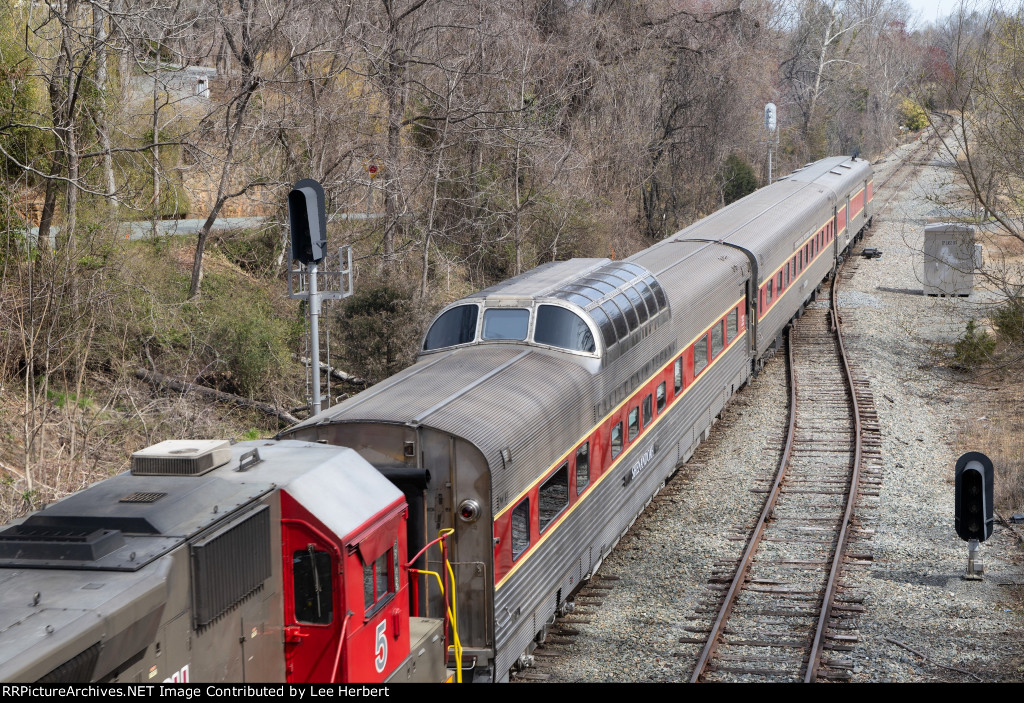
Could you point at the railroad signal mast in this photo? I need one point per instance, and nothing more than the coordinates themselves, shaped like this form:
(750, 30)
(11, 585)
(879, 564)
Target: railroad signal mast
(307, 218)
(974, 509)
(771, 133)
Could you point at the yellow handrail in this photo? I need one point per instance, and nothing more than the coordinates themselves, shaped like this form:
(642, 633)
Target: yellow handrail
(450, 608)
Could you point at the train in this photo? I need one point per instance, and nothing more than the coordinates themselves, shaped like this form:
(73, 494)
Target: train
(541, 416)
(266, 561)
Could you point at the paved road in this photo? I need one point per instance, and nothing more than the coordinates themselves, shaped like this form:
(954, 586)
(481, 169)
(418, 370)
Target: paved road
(135, 231)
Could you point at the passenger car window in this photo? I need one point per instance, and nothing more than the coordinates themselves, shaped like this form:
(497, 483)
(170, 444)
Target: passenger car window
(717, 341)
(456, 326)
(638, 303)
(648, 409)
(562, 328)
(700, 355)
(616, 443)
(582, 467)
(661, 396)
(505, 323)
(634, 423)
(617, 318)
(678, 373)
(553, 496)
(733, 321)
(768, 290)
(520, 528)
(607, 330)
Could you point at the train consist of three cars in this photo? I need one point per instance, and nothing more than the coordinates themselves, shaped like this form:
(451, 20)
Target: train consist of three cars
(541, 417)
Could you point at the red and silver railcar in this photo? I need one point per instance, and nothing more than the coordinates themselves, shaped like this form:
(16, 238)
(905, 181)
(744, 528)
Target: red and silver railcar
(545, 412)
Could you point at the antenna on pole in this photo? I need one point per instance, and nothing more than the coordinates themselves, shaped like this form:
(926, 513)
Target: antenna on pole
(771, 132)
(307, 219)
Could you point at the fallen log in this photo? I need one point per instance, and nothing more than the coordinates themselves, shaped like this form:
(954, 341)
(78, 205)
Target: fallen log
(158, 379)
(336, 374)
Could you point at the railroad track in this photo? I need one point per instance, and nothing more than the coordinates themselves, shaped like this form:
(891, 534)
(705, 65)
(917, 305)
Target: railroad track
(784, 604)
(782, 611)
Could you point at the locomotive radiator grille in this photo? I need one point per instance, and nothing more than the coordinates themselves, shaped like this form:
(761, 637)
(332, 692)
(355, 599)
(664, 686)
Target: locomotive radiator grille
(229, 566)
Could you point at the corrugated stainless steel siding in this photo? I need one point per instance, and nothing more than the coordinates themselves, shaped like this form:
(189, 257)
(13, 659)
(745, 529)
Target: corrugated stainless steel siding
(535, 408)
(436, 379)
(599, 520)
(546, 277)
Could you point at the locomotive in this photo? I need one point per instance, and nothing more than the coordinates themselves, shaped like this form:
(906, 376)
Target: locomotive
(544, 413)
(442, 519)
(263, 561)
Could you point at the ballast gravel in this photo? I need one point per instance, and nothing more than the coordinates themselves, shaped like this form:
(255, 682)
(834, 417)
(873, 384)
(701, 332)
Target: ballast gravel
(921, 622)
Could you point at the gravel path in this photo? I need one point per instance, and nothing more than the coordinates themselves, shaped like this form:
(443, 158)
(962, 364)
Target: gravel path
(913, 594)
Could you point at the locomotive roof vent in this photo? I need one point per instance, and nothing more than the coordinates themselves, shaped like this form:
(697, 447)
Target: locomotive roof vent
(179, 457)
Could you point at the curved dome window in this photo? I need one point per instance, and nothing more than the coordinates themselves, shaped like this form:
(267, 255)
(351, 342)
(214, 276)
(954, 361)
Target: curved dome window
(563, 328)
(505, 323)
(456, 326)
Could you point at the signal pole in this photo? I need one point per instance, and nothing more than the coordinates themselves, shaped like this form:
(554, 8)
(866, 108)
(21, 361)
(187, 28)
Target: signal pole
(307, 216)
(314, 334)
(771, 133)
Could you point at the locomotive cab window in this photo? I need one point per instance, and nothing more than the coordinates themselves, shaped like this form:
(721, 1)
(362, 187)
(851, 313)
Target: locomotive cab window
(456, 326)
(634, 423)
(553, 496)
(582, 467)
(378, 583)
(648, 409)
(520, 528)
(504, 323)
(661, 397)
(311, 574)
(700, 355)
(616, 443)
(562, 328)
(716, 340)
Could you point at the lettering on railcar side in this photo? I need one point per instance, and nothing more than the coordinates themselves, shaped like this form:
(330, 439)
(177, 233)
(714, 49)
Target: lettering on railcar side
(638, 466)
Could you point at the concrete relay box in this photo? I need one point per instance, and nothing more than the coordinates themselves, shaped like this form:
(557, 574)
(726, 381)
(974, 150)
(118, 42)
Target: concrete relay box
(950, 259)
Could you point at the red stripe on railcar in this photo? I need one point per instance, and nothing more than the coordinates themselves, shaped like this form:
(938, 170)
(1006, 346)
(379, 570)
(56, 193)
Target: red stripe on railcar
(601, 460)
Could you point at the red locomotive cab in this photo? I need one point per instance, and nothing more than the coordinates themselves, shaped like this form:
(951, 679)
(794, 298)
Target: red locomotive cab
(376, 587)
(315, 614)
(346, 599)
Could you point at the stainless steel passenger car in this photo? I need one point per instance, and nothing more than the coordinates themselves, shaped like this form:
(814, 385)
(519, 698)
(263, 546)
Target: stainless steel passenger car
(545, 412)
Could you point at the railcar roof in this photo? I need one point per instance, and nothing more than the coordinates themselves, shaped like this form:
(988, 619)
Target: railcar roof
(541, 281)
(759, 221)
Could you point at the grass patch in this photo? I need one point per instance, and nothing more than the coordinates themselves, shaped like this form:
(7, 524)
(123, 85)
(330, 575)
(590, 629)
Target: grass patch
(999, 433)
